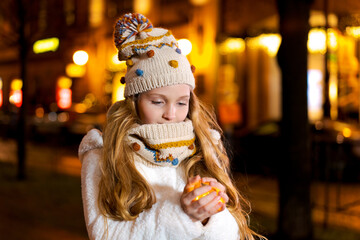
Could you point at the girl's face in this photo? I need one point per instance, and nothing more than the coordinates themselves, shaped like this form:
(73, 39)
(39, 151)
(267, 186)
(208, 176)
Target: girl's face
(168, 104)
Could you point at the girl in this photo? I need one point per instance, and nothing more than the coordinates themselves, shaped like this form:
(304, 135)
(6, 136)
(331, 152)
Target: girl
(160, 170)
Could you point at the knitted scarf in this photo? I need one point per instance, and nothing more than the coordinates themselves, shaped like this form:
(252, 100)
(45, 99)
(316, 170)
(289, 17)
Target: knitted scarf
(163, 144)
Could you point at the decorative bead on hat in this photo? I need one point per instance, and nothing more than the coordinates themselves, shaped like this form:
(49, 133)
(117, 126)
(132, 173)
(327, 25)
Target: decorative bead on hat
(152, 56)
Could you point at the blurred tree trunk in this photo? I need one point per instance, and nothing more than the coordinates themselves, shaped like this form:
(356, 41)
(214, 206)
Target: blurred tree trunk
(21, 125)
(295, 165)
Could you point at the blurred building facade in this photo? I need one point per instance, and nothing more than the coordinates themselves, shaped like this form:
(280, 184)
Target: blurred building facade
(233, 48)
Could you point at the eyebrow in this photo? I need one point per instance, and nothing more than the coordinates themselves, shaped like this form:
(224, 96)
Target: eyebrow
(161, 95)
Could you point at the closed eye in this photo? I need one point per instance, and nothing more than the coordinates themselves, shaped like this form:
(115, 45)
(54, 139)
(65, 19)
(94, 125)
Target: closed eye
(182, 103)
(156, 102)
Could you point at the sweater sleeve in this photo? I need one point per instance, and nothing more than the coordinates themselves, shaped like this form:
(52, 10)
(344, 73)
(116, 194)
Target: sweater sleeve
(221, 226)
(92, 140)
(164, 220)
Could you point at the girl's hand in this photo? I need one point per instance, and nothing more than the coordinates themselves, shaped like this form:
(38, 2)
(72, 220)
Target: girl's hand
(203, 208)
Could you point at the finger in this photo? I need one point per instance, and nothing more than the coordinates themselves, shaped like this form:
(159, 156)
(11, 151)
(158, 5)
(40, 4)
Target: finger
(224, 196)
(221, 207)
(194, 179)
(206, 211)
(211, 208)
(203, 201)
(189, 197)
(218, 185)
(200, 192)
(192, 183)
(194, 208)
(208, 180)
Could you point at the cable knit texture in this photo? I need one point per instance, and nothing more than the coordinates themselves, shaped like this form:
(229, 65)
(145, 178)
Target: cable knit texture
(165, 220)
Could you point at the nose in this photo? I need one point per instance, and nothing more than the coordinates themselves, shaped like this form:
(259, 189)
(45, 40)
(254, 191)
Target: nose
(169, 113)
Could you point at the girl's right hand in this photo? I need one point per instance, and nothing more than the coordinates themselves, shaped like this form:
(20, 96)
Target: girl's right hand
(204, 207)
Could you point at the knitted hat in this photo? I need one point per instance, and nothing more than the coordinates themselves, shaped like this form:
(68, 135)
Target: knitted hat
(152, 56)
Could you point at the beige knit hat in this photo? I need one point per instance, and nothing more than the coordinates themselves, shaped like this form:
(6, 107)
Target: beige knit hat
(152, 56)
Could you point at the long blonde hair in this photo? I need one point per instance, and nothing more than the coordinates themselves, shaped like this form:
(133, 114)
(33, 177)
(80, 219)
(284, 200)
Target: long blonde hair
(124, 193)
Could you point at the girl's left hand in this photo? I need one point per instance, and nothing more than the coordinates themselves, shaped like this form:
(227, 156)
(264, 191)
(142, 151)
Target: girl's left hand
(204, 207)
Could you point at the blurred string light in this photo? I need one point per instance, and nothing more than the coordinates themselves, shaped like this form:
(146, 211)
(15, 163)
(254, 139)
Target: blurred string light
(80, 57)
(16, 92)
(185, 46)
(46, 45)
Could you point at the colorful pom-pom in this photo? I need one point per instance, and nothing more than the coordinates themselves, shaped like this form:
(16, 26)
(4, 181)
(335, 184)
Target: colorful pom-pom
(122, 80)
(193, 68)
(173, 63)
(139, 72)
(130, 25)
(129, 63)
(136, 147)
(178, 50)
(150, 53)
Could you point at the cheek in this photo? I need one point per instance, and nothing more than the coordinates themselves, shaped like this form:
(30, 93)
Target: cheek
(148, 114)
(183, 114)
(145, 115)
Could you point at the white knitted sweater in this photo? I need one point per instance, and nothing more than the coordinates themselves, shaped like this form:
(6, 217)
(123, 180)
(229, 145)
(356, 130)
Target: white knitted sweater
(165, 220)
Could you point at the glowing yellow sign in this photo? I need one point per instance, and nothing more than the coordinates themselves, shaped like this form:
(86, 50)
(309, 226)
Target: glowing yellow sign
(46, 45)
